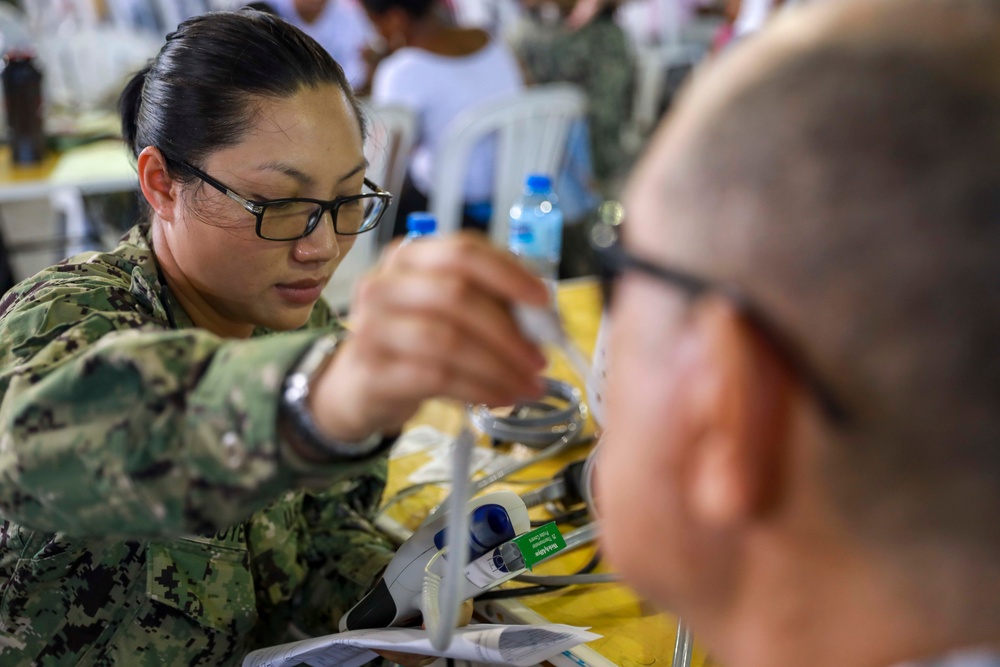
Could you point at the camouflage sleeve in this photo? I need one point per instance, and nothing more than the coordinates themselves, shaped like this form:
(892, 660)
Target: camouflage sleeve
(345, 552)
(111, 425)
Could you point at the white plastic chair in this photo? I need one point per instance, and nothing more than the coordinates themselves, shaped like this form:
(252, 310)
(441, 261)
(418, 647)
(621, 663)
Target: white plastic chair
(87, 69)
(530, 129)
(391, 135)
(653, 66)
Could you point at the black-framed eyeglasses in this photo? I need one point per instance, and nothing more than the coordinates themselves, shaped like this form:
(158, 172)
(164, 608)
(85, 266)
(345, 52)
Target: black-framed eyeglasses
(297, 217)
(614, 260)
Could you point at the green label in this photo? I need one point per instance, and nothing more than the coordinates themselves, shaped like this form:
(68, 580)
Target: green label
(540, 544)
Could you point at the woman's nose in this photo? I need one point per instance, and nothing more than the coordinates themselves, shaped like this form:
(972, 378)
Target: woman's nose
(322, 245)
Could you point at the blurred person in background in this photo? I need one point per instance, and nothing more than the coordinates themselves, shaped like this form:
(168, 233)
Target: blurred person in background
(594, 56)
(592, 53)
(802, 454)
(439, 70)
(340, 27)
(493, 16)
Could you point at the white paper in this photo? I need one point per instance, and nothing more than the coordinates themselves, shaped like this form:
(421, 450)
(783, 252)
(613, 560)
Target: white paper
(439, 447)
(419, 439)
(516, 645)
(442, 462)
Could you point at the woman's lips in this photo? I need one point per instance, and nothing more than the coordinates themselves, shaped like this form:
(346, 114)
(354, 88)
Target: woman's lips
(301, 291)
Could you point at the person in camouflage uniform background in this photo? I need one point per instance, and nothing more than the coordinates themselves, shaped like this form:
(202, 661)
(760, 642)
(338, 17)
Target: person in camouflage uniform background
(595, 57)
(157, 507)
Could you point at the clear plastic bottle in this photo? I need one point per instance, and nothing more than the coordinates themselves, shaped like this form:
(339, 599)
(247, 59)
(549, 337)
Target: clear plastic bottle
(535, 231)
(419, 224)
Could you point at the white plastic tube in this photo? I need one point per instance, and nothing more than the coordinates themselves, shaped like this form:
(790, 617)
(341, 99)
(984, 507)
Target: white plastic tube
(442, 601)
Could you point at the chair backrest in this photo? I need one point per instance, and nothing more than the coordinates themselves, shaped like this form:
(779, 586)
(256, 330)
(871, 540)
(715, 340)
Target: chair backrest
(653, 67)
(391, 134)
(530, 129)
(88, 68)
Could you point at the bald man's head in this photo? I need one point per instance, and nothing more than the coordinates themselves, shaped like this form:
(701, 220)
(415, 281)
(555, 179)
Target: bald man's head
(844, 170)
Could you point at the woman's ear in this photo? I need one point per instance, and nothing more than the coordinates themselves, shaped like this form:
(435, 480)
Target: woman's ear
(158, 187)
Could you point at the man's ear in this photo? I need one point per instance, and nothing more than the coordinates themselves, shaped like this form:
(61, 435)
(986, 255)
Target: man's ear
(743, 394)
(160, 190)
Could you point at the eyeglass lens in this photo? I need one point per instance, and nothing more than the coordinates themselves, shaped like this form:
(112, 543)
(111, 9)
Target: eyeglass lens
(290, 220)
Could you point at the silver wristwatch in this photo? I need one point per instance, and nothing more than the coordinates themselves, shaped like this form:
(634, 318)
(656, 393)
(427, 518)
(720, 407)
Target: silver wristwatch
(294, 396)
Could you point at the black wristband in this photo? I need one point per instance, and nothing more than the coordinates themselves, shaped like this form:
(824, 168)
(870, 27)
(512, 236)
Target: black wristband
(294, 407)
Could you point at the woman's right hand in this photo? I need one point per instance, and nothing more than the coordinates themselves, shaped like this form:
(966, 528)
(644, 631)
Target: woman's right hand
(433, 319)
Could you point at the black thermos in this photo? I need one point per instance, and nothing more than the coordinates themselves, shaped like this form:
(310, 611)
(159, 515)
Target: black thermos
(22, 90)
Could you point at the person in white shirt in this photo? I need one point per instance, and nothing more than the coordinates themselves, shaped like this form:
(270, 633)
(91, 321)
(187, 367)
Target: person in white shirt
(440, 70)
(340, 27)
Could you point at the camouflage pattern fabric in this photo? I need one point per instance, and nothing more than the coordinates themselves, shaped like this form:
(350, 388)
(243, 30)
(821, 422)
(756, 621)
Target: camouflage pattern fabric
(596, 57)
(151, 513)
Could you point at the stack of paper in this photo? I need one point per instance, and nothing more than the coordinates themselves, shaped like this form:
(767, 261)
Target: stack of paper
(518, 645)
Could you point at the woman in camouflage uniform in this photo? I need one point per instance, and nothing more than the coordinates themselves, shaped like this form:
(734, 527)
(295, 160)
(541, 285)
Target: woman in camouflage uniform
(189, 445)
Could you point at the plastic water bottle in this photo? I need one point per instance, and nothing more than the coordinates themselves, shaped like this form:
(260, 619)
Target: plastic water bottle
(419, 224)
(535, 231)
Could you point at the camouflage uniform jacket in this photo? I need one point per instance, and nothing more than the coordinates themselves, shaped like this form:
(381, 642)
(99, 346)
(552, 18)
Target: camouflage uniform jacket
(597, 58)
(133, 449)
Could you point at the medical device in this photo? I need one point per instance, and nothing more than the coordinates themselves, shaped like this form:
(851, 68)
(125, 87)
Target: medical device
(494, 520)
(464, 532)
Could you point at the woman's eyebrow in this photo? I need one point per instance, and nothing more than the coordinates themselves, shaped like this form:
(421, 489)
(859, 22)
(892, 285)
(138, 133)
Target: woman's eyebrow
(304, 178)
(361, 166)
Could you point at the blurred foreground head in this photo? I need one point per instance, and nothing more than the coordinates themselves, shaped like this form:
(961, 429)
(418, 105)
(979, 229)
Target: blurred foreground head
(815, 478)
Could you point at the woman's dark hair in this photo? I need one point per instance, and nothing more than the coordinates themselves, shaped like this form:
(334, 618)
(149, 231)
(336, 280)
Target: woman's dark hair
(199, 94)
(415, 8)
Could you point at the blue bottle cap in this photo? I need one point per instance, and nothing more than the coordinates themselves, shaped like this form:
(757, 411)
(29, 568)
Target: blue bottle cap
(538, 183)
(421, 222)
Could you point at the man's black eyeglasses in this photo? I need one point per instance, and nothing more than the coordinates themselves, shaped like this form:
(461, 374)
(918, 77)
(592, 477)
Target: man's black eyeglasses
(296, 217)
(614, 260)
